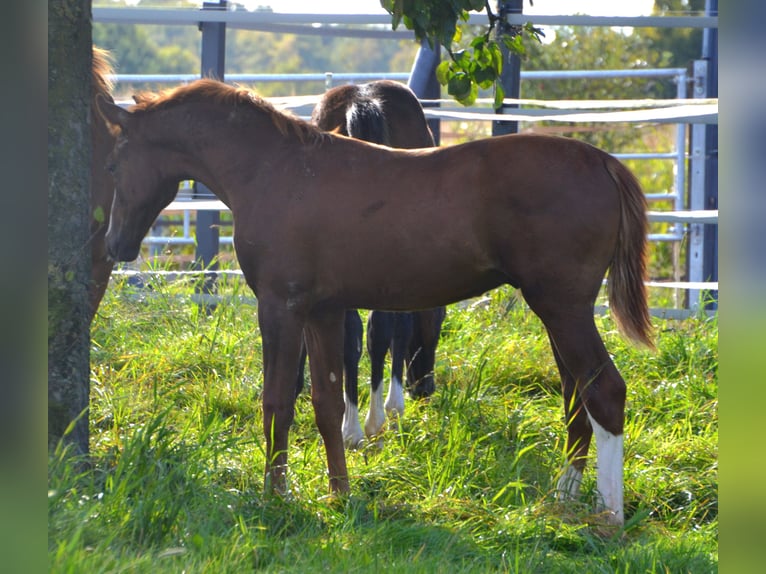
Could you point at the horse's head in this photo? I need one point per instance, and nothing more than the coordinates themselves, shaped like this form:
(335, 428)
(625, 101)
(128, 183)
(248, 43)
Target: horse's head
(142, 185)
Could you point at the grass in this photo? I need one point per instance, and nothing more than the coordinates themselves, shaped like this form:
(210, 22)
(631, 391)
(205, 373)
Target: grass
(463, 484)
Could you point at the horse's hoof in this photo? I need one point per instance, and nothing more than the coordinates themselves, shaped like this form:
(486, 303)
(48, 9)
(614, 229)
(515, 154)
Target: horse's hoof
(423, 389)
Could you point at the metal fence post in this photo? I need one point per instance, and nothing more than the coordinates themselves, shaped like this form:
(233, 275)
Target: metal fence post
(703, 190)
(213, 57)
(424, 84)
(510, 77)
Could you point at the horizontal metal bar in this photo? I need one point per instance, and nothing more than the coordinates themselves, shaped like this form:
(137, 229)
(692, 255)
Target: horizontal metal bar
(180, 240)
(658, 155)
(402, 76)
(709, 216)
(243, 18)
(660, 237)
(262, 78)
(591, 74)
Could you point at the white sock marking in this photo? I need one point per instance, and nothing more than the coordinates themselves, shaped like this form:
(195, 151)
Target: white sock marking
(395, 399)
(377, 416)
(609, 452)
(352, 430)
(568, 487)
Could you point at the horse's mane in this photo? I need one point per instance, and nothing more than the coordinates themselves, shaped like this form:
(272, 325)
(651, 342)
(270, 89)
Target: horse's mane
(208, 90)
(101, 70)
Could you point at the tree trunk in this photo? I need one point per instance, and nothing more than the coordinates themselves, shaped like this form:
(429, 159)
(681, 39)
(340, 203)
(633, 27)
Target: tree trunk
(69, 156)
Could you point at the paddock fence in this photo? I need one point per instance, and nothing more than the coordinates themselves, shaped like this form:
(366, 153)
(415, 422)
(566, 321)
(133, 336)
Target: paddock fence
(687, 224)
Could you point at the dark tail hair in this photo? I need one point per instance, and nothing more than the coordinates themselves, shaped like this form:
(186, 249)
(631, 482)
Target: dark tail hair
(366, 121)
(627, 271)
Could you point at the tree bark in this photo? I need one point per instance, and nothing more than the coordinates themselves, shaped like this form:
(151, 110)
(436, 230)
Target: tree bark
(69, 156)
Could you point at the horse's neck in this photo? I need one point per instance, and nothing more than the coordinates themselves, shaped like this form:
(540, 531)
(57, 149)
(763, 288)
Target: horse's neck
(216, 151)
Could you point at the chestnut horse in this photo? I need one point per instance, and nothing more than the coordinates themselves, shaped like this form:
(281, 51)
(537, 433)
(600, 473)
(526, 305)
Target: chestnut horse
(101, 182)
(325, 223)
(386, 113)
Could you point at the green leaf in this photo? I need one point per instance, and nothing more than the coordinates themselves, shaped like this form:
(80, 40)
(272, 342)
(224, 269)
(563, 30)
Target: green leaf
(497, 57)
(458, 35)
(462, 59)
(443, 72)
(514, 44)
(459, 86)
(98, 214)
(478, 42)
(485, 77)
(469, 98)
(499, 95)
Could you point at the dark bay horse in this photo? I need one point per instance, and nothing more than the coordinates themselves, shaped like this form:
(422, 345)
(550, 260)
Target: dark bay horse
(386, 113)
(101, 182)
(325, 223)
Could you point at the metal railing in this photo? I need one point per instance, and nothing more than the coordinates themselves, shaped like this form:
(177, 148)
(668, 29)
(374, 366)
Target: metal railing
(678, 75)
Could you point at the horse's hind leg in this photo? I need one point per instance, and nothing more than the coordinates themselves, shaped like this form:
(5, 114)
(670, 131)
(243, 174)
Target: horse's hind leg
(598, 386)
(399, 344)
(380, 329)
(352, 352)
(324, 339)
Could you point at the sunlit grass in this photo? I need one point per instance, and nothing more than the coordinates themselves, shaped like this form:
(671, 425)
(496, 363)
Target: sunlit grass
(463, 483)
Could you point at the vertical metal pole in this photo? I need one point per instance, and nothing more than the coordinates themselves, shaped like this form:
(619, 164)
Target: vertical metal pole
(424, 84)
(213, 56)
(510, 78)
(703, 191)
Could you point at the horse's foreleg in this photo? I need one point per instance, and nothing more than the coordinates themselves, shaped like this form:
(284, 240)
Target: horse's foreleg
(399, 343)
(324, 338)
(601, 390)
(422, 351)
(579, 433)
(301, 371)
(380, 329)
(352, 352)
(281, 333)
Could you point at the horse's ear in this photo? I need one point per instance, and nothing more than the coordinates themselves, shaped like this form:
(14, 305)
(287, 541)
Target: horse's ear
(112, 113)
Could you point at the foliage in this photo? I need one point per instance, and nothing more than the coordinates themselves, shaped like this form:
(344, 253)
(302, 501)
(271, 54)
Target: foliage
(481, 64)
(463, 484)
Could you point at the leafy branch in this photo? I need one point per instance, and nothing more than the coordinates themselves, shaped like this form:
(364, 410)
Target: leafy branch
(481, 63)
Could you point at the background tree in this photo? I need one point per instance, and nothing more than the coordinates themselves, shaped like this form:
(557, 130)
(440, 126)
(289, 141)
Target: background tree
(69, 153)
(480, 63)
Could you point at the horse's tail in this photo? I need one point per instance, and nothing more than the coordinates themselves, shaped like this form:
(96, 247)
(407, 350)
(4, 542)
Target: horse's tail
(365, 120)
(627, 271)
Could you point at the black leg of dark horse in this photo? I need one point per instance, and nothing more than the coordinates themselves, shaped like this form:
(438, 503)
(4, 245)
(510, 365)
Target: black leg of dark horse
(403, 326)
(380, 330)
(352, 352)
(301, 370)
(421, 355)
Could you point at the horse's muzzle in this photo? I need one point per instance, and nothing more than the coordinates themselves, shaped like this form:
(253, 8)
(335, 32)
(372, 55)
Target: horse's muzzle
(119, 251)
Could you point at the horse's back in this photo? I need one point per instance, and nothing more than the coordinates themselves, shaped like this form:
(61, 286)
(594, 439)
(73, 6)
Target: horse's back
(405, 125)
